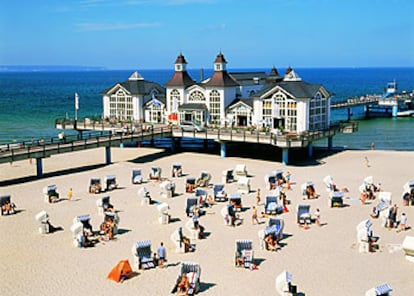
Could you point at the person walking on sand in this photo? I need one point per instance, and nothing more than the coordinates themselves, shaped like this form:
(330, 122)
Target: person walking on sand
(254, 216)
(162, 255)
(373, 145)
(70, 193)
(366, 162)
(258, 196)
(318, 217)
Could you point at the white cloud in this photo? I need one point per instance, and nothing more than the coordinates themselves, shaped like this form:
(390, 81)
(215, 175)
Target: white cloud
(112, 27)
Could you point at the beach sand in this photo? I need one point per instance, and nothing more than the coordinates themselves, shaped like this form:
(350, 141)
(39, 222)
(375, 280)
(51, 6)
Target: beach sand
(323, 260)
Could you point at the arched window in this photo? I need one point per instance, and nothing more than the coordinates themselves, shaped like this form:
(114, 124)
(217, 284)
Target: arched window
(318, 117)
(196, 96)
(214, 107)
(174, 100)
(120, 105)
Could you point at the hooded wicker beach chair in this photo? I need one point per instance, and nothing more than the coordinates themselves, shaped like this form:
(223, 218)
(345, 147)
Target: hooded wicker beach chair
(329, 184)
(167, 189)
(204, 179)
(284, 285)
(193, 272)
(336, 199)
(219, 192)
(243, 185)
(163, 214)
(191, 202)
(244, 253)
(240, 171)
(110, 183)
(271, 205)
(143, 255)
(177, 170)
(236, 201)
(95, 185)
(144, 196)
(6, 205)
(190, 185)
(155, 173)
(303, 214)
(136, 176)
(50, 193)
(228, 176)
(43, 218)
(271, 180)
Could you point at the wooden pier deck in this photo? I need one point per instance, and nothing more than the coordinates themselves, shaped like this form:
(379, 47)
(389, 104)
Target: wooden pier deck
(88, 140)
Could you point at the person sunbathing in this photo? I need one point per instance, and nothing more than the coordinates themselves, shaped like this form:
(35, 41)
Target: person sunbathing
(271, 243)
(310, 192)
(183, 286)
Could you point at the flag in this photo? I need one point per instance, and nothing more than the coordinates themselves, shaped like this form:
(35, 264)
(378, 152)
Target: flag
(76, 101)
(155, 102)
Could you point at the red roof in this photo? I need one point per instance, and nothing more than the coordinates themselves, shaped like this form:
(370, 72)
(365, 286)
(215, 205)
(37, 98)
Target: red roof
(180, 78)
(221, 78)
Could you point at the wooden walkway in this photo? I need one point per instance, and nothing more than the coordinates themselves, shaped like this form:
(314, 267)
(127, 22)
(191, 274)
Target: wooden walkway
(27, 150)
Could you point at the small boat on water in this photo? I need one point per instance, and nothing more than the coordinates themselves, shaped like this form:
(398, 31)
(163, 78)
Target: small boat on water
(393, 103)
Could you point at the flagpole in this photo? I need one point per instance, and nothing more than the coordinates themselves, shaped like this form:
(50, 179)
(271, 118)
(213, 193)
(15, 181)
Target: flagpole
(76, 109)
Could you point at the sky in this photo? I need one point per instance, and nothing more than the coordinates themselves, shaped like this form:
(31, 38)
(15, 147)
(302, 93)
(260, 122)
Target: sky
(150, 34)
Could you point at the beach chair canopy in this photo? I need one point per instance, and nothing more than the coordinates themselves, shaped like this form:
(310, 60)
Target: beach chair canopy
(136, 172)
(176, 166)
(105, 200)
(271, 178)
(383, 289)
(240, 169)
(275, 221)
(200, 192)
(143, 192)
(283, 282)
(121, 270)
(385, 196)
(190, 203)
(409, 186)
(155, 170)
(110, 178)
(337, 195)
(234, 196)
(4, 199)
(144, 254)
(303, 209)
(328, 180)
(42, 216)
(217, 188)
(167, 185)
(163, 208)
(274, 230)
(76, 228)
(244, 244)
(228, 173)
(49, 189)
(369, 180)
(244, 181)
(95, 181)
(191, 180)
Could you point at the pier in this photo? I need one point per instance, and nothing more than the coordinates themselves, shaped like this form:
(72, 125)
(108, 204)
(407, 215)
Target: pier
(116, 138)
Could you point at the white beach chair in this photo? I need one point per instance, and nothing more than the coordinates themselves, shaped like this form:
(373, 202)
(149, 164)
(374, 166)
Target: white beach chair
(193, 272)
(143, 255)
(163, 215)
(240, 171)
(284, 285)
(167, 189)
(176, 239)
(144, 196)
(408, 247)
(110, 183)
(103, 204)
(155, 173)
(193, 233)
(328, 181)
(244, 250)
(243, 185)
(43, 218)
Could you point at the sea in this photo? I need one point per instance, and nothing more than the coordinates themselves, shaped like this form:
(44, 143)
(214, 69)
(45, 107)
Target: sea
(31, 99)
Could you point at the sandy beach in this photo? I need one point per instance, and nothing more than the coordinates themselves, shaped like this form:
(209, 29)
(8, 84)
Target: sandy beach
(323, 260)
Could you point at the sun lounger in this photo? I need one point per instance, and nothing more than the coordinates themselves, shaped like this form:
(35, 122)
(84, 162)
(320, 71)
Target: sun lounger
(155, 173)
(303, 214)
(110, 183)
(243, 185)
(50, 193)
(219, 193)
(244, 253)
(6, 205)
(177, 170)
(228, 176)
(167, 189)
(382, 290)
(95, 185)
(143, 255)
(408, 247)
(271, 206)
(136, 176)
(336, 199)
(284, 285)
(163, 215)
(43, 218)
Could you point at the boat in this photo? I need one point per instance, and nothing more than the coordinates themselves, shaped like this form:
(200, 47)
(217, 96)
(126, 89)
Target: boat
(405, 113)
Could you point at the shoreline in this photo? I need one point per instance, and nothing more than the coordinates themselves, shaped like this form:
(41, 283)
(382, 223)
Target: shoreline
(322, 260)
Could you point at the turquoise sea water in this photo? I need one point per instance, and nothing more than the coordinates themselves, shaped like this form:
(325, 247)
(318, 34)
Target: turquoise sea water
(31, 101)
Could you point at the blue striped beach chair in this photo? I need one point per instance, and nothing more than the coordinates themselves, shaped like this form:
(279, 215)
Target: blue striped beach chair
(244, 250)
(193, 272)
(143, 254)
(190, 203)
(382, 290)
(303, 214)
(219, 193)
(271, 206)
